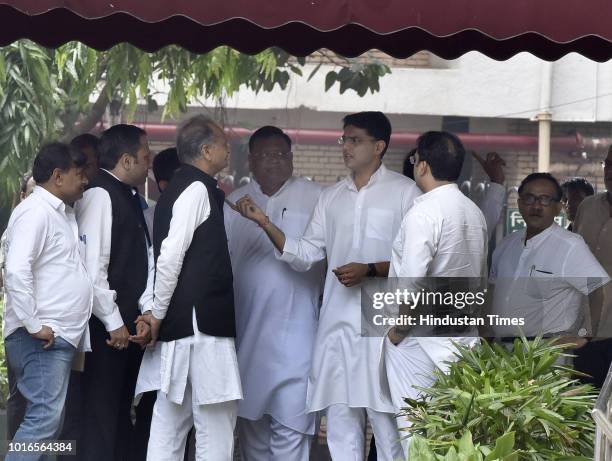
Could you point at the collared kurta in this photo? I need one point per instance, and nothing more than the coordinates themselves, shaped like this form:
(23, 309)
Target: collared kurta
(276, 308)
(443, 235)
(349, 225)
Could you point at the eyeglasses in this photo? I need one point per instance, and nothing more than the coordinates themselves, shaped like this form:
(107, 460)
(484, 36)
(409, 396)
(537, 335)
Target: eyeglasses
(352, 140)
(544, 200)
(272, 154)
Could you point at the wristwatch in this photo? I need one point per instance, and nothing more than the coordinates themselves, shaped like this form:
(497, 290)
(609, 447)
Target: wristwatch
(371, 270)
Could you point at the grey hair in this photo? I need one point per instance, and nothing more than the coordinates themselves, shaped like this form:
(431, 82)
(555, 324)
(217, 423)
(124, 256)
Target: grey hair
(192, 136)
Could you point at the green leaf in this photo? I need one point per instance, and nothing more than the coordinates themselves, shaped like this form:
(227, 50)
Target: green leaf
(330, 79)
(314, 71)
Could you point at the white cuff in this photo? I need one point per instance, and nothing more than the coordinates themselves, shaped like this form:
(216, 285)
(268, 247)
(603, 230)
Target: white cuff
(158, 313)
(289, 250)
(33, 325)
(112, 321)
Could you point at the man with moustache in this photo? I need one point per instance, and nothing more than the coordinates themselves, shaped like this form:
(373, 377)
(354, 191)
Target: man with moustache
(353, 226)
(594, 223)
(113, 230)
(49, 293)
(195, 371)
(543, 273)
(276, 308)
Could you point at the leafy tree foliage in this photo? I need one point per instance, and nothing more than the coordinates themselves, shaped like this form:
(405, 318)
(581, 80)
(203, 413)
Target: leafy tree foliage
(47, 93)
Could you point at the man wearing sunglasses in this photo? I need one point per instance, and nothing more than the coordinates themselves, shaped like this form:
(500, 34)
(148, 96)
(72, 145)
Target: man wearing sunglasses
(542, 274)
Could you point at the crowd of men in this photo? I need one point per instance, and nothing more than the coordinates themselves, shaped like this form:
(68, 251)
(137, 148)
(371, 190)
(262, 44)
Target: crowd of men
(127, 329)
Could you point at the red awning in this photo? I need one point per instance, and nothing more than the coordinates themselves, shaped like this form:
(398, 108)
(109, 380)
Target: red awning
(498, 28)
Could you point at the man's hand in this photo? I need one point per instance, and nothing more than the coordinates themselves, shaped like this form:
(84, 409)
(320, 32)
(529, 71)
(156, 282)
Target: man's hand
(493, 166)
(155, 326)
(45, 334)
(576, 341)
(143, 332)
(119, 338)
(351, 274)
(247, 208)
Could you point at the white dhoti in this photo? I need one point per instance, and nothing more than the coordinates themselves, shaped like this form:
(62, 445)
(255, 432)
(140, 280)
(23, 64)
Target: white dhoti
(268, 440)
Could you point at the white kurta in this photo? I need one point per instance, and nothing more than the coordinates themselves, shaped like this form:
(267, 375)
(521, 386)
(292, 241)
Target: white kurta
(167, 366)
(276, 308)
(349, 225)
(443, 235)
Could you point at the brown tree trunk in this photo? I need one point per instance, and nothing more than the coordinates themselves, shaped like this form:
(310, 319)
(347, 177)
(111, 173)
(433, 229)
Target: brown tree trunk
(90, 120)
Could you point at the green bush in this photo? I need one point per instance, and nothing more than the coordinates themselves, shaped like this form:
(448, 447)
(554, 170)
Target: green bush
(465, 450)
(491, 391)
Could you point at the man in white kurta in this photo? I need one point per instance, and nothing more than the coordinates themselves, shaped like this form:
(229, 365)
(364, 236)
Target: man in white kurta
(443, 235)
(353, 225)
(276, 309)
(196, 375)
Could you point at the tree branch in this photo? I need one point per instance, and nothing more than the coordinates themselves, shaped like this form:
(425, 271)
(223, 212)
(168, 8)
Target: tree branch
(90, 120)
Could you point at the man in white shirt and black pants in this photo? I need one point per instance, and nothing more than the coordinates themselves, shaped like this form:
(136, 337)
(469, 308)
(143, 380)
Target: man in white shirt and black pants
(113, 229)
(196, 372)
(49, 294)
(444, 234)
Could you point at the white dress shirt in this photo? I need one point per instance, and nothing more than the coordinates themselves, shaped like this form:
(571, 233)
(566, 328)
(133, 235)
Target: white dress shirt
(46, 280)
(349, 225)
(167, 366)
(276, 308)
(545, 280)
(94, 213)
(443, 235)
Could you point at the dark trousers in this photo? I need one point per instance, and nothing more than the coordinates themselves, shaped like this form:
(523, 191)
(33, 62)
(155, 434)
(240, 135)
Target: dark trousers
(107, 432)
(15, 404)
(594, 359)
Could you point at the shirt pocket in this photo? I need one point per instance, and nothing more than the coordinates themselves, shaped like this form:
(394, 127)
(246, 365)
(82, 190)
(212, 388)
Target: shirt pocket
(293, 223)
(542, 284)
(379, 224)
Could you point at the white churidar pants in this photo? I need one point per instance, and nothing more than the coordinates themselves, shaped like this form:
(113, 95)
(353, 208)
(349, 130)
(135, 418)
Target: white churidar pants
(346, 433)
(214, 429)
(268, 440)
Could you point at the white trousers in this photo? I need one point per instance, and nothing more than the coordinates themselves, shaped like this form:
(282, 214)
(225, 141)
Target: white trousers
(346, 433)
(268, 440)
(407, 366)
(214, 429)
